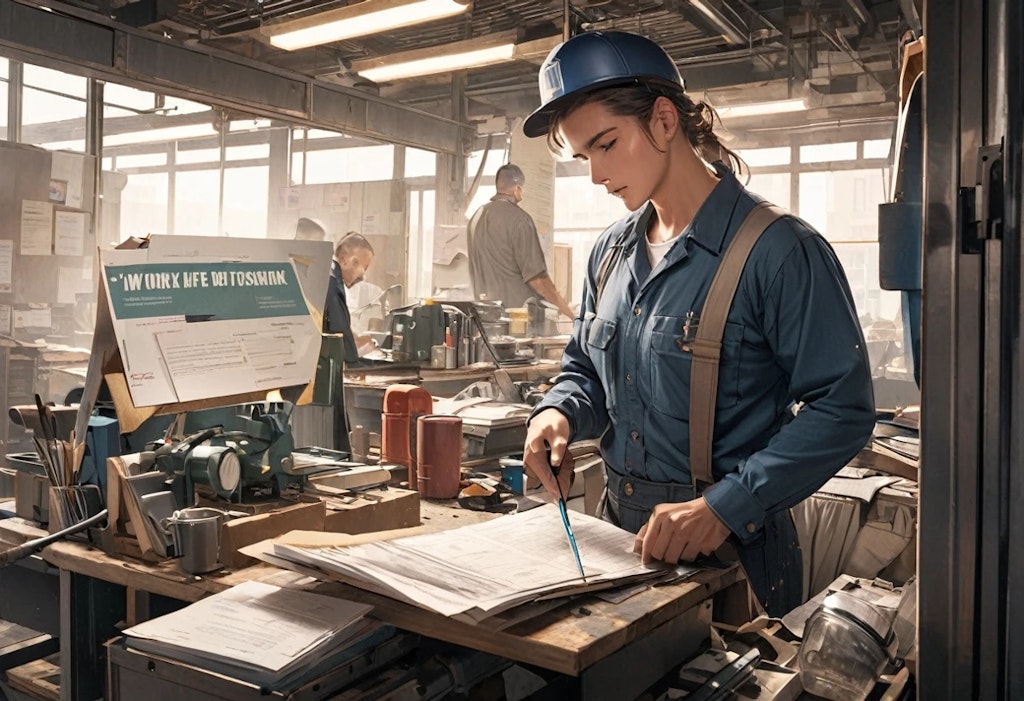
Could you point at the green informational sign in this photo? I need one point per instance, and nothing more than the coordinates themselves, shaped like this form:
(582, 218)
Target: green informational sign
(205, 291)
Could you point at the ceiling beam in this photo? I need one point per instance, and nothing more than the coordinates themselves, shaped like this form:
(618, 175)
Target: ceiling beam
(85, 43)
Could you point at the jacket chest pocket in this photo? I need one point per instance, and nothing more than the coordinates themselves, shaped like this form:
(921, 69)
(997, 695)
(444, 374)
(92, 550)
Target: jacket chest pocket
(601, 347)
(672, 364)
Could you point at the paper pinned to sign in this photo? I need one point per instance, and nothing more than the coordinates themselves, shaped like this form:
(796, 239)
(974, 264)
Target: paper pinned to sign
(69, 233)
(449, 242)
(36, 228)
(6, 264)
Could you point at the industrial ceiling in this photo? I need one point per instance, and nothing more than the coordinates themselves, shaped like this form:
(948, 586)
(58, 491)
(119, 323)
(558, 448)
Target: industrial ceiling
(842, 57)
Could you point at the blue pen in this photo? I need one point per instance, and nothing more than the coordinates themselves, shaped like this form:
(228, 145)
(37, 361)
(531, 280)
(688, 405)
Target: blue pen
(565, 516)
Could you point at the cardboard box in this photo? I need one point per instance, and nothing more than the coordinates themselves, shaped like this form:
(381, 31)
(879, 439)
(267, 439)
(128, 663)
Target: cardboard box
(373, 510)
(239, 532)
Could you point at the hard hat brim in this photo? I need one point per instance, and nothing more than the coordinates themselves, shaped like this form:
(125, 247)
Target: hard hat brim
(539, 121)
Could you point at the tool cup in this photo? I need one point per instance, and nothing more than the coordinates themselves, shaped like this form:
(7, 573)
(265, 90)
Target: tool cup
(196, 536)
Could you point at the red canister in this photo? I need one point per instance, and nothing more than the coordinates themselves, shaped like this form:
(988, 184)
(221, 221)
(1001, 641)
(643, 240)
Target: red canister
(439, 456)
(402, 404)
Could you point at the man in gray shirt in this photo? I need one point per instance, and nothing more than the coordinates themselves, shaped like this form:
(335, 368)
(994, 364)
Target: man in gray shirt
(506, 262)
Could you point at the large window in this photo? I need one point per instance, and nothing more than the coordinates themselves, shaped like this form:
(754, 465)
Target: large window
(51, 96)
(196, 199)
(834, 187)
(843, 206)
(421, 243)
(419, 163)
(169, 151)
(144, 205)
(342, 165)
(245, 202)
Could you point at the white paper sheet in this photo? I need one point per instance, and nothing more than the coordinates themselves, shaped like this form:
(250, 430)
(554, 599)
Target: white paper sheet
(474, 572)
(212, 361)
(6, 264)
(33, 318)
(36, 228)
(255, 624)
(69, 233)
(338, 196)
(69, 167)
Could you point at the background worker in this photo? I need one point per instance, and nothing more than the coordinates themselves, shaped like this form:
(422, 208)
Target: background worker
(352, 258)
(506, 262)
(794, 399)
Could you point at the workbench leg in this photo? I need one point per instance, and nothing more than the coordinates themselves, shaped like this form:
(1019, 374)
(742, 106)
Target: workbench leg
(138, 606)
(89, 612)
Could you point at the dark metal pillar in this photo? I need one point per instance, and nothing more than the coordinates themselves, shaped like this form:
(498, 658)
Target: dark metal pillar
(1014, 255)
(972, 394)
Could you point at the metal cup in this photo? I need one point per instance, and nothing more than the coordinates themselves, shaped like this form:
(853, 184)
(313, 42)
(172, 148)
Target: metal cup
(196, 534)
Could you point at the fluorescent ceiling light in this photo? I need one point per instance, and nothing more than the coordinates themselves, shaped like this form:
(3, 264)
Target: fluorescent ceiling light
(439, 64)
(760, 108)
(360, 19)
(474, 53)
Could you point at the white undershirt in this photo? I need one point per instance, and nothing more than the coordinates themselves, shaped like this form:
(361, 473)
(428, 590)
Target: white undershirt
(657, 251)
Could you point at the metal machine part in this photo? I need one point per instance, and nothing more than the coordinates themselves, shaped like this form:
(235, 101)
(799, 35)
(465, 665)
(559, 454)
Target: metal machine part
(246, 455)
(216, 466)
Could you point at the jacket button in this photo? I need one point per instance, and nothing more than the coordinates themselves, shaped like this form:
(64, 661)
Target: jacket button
(634, 435)
(636, 311)
(629, 378)
(751, 528)
(627, 489)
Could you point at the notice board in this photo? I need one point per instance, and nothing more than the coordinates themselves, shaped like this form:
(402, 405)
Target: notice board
(46, 238)
(196, 322)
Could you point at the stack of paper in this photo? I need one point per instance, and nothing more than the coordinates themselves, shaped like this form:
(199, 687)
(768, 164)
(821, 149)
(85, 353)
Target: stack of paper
(477, 571)
(259, 633)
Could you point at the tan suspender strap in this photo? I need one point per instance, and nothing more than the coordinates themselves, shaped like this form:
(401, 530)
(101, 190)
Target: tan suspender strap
(707, 346)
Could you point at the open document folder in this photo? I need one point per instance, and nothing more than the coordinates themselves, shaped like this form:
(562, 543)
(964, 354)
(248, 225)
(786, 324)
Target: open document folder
(477, 571)
(257, 632)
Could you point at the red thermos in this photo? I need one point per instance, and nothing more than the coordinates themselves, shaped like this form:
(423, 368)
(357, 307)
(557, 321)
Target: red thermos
(402, 405)
(439, 454)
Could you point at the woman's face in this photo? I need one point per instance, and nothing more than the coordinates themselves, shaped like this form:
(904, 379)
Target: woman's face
(618, 150)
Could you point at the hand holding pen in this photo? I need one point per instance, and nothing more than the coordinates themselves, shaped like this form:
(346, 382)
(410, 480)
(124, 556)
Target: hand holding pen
(547, 437)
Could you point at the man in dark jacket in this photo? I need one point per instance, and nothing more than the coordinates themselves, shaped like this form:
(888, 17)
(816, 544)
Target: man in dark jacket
(352, 258)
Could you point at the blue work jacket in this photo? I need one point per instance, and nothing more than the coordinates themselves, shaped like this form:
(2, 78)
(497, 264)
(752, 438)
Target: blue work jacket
(795, 400)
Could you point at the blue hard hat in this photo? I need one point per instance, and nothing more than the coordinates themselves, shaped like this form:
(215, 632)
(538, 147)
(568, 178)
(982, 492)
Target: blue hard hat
(594, 60)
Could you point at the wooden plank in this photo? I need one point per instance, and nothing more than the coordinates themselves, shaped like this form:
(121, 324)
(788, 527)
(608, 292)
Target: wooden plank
(162, 578)
(16, 530)
(19, 645)
(40, 679)
(565, 640)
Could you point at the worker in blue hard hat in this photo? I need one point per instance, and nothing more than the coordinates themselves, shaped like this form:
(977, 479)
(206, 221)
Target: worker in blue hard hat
(694, 464)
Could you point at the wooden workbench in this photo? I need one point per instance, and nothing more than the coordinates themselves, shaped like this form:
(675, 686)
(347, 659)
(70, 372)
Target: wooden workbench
(586, 638)
(448, 383)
